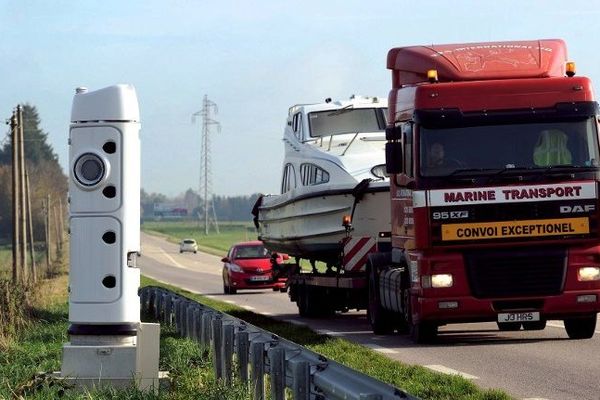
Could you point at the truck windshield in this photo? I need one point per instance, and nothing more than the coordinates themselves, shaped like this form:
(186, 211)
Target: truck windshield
(346, 120)
(510, 146)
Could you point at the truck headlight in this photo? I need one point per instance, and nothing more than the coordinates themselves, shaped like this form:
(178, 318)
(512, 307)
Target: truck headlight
(585, 274)
(441, 281)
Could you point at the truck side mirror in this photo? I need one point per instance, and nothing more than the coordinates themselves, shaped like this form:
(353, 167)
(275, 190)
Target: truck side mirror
(393, 158)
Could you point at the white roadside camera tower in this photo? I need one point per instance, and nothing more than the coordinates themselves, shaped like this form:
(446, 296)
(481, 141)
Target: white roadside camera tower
(108, 343)
(104, 190)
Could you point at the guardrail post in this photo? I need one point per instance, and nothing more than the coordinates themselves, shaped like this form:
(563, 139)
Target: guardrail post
(205, 333)
(217, 340)
(241, 351)
(189, 321)
(227, 355)
(300, 380)
(168, 309)
(257, 359)
(277, 372)
(196, 323)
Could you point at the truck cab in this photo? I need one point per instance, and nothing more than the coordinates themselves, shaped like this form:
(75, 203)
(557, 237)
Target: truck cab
(494, 158)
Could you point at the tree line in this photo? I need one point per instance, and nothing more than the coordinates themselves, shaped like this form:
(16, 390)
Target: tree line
(45, 174)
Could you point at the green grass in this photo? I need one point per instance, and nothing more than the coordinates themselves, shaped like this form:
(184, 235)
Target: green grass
(218, 244)
(416, 380)
(39, 349)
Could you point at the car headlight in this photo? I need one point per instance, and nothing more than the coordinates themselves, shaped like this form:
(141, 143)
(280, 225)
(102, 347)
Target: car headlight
(441, 281)
(235, 268)
(586, 274)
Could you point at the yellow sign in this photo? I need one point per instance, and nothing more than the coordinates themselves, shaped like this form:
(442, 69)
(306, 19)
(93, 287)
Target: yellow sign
(514, 229)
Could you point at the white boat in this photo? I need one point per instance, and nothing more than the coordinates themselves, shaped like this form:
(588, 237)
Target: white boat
(334, 166)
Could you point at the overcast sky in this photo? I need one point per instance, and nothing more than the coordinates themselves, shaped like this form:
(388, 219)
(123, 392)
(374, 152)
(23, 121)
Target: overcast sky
(253, 58)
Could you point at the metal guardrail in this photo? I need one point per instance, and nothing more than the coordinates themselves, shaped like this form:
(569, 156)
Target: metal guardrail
(306, 374)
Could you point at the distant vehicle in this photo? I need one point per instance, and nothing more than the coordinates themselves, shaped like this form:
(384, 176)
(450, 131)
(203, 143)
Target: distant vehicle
(188, 245)
(248, 266)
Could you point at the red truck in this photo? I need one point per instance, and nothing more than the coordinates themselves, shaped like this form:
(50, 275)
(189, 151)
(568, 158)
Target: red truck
(493, 154)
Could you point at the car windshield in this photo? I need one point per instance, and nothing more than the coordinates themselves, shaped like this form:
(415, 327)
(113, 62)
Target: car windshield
(252, 252)
(346, 120)
(572, 144)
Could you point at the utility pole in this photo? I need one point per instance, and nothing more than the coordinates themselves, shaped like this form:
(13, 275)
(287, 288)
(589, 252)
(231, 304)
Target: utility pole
(30, 220)
(47, 229)
(208, 106)
(23, 219)
(16, 267)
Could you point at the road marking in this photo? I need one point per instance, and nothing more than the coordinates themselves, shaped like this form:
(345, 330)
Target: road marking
(380, 349)
(266, 313)
(535, 398)
(449, 371)
(229, 301)
(171, 258)
(249, 308)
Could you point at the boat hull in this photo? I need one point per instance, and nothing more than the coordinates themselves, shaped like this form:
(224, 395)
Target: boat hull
(308, 224)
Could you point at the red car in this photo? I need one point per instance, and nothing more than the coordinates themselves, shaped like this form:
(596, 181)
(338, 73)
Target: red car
(248, 266)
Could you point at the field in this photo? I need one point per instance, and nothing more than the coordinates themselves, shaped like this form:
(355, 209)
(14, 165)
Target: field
(215, 243)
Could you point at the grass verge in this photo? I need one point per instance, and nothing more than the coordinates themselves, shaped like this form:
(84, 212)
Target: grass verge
(416, 380)
(215, 243)
(39, 349)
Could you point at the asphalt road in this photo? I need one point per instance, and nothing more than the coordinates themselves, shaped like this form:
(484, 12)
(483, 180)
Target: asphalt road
(528, 365)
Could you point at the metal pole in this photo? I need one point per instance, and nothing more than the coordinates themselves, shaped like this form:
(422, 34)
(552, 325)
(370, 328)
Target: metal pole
(241, 350)
(30, 220)
(22, 216)
(15, 202)
(61, 222)
(57, 231)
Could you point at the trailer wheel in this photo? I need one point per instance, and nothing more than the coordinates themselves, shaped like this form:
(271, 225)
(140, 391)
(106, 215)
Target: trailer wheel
(381, 320)
(308, 303)
(580, 328)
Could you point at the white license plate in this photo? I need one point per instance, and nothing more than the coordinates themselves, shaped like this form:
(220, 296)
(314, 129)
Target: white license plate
(519, 317)
(260, 278)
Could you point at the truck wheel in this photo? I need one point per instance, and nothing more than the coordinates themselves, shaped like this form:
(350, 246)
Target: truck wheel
(381, 320)
(535, 325)
(423, 332)
(509, 326)
(580, 328)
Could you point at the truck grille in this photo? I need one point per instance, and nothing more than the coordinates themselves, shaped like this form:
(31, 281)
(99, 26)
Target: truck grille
(510, 273)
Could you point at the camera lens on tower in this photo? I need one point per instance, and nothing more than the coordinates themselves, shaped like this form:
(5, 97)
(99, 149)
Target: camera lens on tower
(89, 169)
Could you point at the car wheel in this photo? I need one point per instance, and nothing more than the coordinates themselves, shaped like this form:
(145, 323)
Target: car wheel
(232, 290)
(180, 251)
(225, 288)
(195, 252)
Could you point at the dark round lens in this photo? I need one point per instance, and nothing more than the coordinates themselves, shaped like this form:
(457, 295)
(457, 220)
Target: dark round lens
(91, 170)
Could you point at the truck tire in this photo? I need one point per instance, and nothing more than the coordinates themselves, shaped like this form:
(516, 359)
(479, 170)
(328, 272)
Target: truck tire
(381, 320)
(580, 328)
(509, 326)
(423, 332)
(535, 325)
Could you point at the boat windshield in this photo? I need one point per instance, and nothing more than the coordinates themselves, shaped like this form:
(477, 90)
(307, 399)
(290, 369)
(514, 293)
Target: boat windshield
(346, 120)
(508, 147)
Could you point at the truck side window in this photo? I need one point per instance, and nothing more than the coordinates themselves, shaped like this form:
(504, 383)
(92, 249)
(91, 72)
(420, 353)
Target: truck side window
(408, 148)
